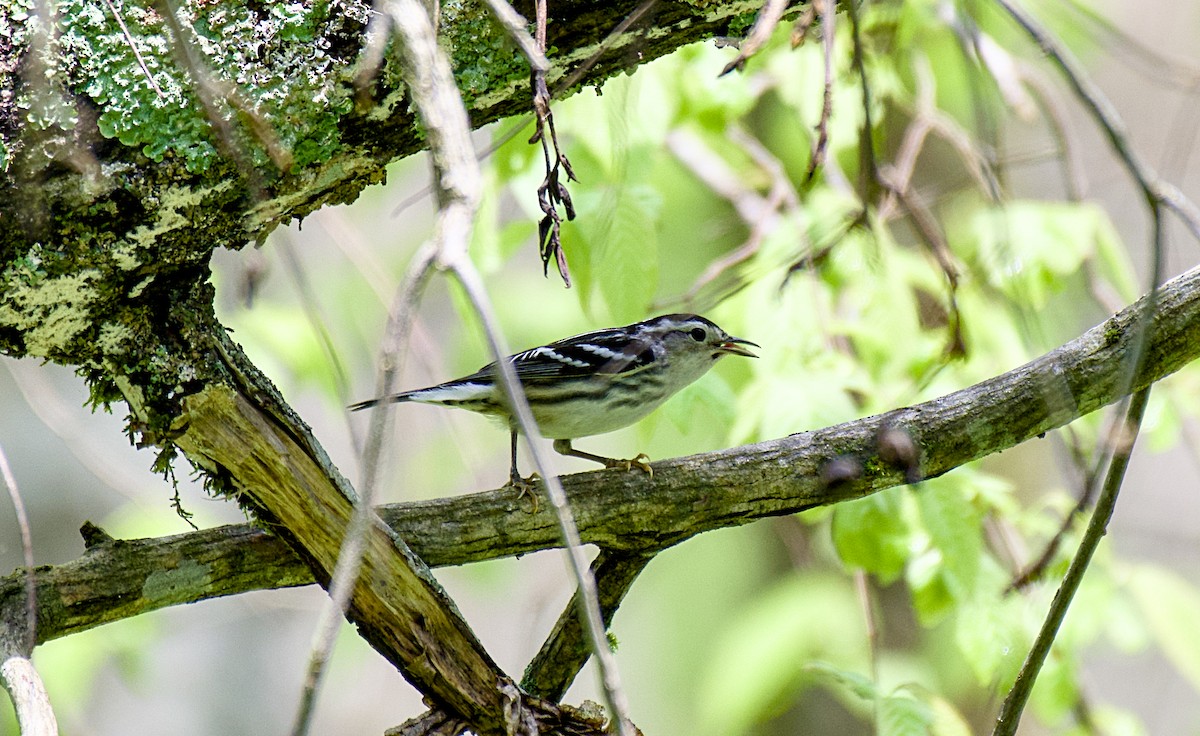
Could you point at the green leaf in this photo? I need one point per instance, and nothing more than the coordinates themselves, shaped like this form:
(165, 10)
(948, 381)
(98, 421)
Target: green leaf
(859, 685)
(954, 527)
(947, 721)
(901, 714)
(871, 534)
(1028, 249)
(618, 226)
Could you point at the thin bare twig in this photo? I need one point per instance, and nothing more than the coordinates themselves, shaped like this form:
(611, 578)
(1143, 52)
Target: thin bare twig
(760, 214)
(14, 495)
(350, 557)
(868, 168)
(1074, 176)
(1122, 434)
(457, 185)
(587, 597)
(1014, 703)
(425, 69)
(927, 227)
(319, 325)
(1106, 116)
(827, 11)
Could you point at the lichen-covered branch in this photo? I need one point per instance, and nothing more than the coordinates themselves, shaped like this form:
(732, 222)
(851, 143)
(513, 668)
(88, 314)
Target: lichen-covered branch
(244, 435)
(633, 513)
(111, 177)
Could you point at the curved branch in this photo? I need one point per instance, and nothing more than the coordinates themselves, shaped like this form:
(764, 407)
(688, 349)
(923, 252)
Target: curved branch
(34, 714)
(629, 511)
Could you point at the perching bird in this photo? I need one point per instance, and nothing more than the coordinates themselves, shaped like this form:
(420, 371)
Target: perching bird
(592, 383)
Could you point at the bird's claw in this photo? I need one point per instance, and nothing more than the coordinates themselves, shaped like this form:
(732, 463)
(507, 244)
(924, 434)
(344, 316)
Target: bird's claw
(526, 488)
(641, 462)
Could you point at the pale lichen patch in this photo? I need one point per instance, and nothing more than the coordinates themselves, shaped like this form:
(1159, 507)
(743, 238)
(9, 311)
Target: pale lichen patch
(172, 203)
(114, 338)
(124, 256)
(52, 312)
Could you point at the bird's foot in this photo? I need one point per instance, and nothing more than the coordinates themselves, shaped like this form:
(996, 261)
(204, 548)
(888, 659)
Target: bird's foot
(526, 488)
(641, 462)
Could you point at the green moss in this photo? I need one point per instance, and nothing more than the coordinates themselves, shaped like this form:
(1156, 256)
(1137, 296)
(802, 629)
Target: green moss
(262, 69)
(482, 55)
(740, 25)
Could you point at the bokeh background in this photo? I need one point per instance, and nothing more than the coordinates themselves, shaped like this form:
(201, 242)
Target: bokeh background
(712, 633)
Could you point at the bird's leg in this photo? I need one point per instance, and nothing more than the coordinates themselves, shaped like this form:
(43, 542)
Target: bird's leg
(642, 461)
(524, 486)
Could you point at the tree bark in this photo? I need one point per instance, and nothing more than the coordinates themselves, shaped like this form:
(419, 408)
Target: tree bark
(630, 513)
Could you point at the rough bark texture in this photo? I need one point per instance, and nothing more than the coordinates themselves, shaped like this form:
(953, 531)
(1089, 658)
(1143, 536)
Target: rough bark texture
(630, 513)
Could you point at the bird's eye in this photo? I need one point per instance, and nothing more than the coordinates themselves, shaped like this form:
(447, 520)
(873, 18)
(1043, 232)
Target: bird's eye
(698, 334)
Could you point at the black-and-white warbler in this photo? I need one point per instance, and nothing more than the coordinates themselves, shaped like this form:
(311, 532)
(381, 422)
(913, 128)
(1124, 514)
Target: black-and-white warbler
(592, 383)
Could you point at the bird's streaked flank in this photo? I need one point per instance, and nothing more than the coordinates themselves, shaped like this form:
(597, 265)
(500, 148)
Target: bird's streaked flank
(592, 383)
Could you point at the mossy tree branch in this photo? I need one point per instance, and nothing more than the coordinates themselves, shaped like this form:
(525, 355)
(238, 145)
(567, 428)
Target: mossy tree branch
(630, 513)
(89, 222)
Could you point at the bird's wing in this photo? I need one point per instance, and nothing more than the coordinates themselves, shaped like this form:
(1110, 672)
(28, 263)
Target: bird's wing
(608, 352)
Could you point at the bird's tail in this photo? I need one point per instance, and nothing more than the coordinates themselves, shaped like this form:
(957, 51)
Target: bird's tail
(393, 399)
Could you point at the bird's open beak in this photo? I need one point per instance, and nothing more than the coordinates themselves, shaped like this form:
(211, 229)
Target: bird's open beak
(733, 346)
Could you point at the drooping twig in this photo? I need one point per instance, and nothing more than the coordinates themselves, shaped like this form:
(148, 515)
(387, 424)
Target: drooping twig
(553, 191)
